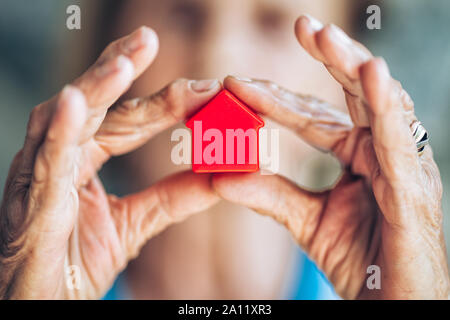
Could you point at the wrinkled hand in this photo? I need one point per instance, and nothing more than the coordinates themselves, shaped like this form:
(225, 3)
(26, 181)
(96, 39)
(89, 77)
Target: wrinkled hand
(55, 212)
(386, 208)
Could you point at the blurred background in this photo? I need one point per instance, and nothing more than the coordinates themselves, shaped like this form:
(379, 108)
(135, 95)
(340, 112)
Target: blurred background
(38, 55)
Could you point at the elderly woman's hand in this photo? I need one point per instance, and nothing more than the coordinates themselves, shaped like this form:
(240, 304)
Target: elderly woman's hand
(55, 217)
(386, 208)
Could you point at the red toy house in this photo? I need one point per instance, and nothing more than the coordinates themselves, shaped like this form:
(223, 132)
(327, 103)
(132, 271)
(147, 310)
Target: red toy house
(225, 136)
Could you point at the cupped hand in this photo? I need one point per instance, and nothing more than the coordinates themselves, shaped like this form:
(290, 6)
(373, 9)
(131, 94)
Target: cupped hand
(55, 217)
(386, 208)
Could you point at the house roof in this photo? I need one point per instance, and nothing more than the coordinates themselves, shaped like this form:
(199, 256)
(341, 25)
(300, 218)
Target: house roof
(225, 105)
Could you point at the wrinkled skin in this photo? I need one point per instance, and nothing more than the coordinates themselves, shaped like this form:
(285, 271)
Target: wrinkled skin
(55, 212)
(385, 210)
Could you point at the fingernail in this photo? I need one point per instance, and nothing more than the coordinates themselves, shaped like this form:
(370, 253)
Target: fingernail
(243, 79)
(203, 85)
(315, 24)
(109, 66)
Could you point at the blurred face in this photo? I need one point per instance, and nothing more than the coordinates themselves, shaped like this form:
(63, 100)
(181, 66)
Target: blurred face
(215, 38)
(210, 39)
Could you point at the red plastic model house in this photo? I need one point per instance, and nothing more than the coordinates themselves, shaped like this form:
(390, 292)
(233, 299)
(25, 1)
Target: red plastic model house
(225, 136)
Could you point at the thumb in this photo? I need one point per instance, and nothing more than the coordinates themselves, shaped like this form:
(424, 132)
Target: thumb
(53, 200)
(272, 195)
(141, 216)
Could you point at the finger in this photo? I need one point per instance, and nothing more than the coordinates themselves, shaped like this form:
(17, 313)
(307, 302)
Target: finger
(36, 128)
(306, 28)
(299, 210)
(133, 122)
(331, 45)
(101, 84)
(342, 57)
(135, 52)
(310, 33)
(315, 121)
(141, 47)
(112, 74)
(51, 201)
(52, 185)
(392, 137)
(341, 52)
(328, 226)
(143, 215)
(345, 56)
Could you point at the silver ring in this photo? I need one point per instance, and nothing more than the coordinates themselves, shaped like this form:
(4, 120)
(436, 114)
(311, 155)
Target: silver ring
(421, 136)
